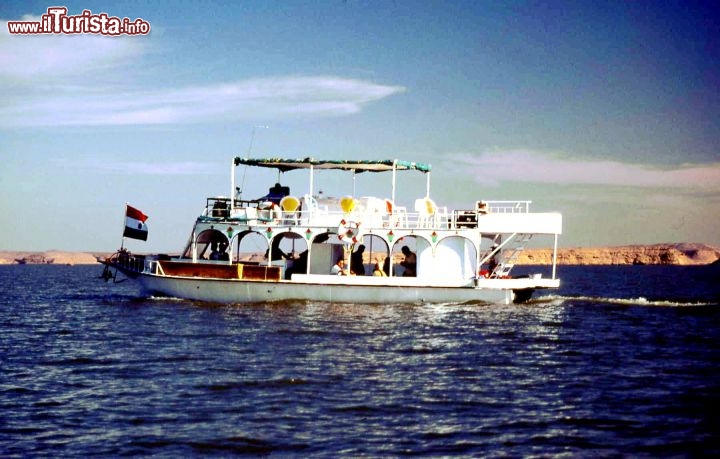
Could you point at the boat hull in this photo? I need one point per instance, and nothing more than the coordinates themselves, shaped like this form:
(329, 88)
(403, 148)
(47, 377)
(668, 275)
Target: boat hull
(338, 289)
(225, 291)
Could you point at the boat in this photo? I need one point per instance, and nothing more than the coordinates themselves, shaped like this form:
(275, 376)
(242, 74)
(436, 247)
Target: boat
(347, 249)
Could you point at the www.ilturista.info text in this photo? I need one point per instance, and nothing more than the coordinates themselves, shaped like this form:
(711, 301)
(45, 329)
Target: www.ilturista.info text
(56, 21)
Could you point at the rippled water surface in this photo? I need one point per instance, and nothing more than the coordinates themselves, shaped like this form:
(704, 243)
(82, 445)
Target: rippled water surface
(622, 361)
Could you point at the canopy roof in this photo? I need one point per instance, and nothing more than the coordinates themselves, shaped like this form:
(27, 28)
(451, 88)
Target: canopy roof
(285, 165)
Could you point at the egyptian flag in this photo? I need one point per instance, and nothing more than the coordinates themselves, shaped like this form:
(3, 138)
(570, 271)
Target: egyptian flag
(135, 226)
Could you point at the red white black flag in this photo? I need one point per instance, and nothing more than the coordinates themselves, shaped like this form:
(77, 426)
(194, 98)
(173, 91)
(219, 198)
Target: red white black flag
(135, 226)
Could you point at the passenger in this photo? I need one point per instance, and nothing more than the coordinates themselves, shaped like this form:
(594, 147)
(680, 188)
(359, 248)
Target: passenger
(224, 255)
(492, 263)
(356, 261)
(386, 266)
(214, 253)
(299, 265)
(276, 251)
(377, 271)
(409, 263)
(339, 268)
(276, 193)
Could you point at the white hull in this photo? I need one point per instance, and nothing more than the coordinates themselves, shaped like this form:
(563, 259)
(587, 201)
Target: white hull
(339, 289)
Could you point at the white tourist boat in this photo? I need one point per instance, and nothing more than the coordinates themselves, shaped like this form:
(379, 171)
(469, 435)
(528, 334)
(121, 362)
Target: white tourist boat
(464, 255)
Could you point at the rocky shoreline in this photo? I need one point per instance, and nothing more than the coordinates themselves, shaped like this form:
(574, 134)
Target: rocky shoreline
(51, 257)
(655, 254)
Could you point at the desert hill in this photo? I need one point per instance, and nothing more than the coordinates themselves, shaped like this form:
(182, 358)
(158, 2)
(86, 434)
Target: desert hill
(655, 254)
(55, 257)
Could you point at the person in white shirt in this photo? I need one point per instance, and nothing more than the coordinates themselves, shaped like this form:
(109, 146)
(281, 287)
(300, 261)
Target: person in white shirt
(339, 268)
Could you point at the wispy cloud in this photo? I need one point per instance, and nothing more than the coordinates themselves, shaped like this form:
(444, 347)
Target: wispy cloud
(494, 168)
(268, 98)
(56, 81)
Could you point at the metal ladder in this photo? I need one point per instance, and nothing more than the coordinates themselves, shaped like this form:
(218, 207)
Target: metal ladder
(511, 255)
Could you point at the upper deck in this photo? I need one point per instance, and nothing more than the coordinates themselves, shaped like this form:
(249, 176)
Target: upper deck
(374, 212)
(280, 208)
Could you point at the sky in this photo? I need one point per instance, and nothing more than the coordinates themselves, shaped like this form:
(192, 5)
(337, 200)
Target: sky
(608, 112)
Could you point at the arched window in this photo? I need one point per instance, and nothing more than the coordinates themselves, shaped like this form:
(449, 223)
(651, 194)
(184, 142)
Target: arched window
(211, 244)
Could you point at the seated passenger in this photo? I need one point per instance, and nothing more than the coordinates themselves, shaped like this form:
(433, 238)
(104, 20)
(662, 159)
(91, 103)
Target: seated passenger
(224, 255)
(386, 266)
(299, 265)
(377, 271)
(276, 252)
(339, 268)
(409, 263)
(214, 253)
(276, 193)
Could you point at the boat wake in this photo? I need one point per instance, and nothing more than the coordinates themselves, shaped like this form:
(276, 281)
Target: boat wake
(639, 301)
(165, 298)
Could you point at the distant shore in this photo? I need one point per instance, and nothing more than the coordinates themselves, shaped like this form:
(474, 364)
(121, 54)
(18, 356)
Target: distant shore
(653, 254)
(50, 257)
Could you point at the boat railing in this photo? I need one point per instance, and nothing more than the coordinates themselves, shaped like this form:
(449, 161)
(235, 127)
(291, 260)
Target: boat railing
(503, 207)
(128, 261)
(369, 211)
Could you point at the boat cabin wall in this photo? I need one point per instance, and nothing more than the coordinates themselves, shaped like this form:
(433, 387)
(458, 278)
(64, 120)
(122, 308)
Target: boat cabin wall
(437, 257)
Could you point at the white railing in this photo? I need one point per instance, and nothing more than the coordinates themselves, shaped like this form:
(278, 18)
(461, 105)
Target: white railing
(370, 212)
(503, 207)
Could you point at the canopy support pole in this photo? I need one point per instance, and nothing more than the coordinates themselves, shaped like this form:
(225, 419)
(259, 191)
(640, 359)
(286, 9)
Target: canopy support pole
(394, 169)
(554, 258)
(232, 187)
(312, 179)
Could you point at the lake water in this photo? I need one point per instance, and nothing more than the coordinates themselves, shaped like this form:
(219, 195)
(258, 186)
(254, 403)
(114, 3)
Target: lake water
(620, 362)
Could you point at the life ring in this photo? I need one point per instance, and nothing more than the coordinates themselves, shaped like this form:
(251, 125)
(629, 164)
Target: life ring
(348, 231)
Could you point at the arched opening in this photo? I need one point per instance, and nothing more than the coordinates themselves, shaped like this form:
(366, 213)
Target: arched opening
(250, 246)
(289, 250)
(286, 246)
(455, 258)
(371, 250)
(210, 244)
(407, 252)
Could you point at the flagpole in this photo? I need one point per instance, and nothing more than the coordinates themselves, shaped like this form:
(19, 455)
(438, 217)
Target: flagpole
(122, 240)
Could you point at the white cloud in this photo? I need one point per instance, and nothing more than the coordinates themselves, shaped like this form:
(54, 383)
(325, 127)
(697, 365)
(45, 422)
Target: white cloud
(250, 99)
(37, 58)
(534, 167)
(82, 80)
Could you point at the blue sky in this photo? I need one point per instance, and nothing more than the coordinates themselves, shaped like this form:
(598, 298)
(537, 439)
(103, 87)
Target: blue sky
(608, 112)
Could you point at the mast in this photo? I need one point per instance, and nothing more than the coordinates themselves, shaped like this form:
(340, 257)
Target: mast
(122, 240)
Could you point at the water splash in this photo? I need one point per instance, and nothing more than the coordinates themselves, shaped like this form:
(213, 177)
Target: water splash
(638, 301)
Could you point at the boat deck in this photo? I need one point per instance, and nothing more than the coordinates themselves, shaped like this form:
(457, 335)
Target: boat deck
(372, 212)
